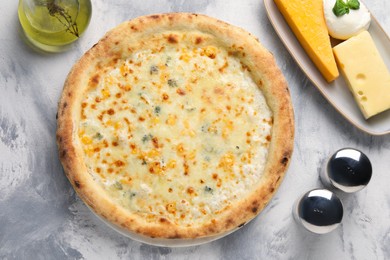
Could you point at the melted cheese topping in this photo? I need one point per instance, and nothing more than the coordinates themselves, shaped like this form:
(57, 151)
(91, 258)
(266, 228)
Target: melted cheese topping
(181, 133)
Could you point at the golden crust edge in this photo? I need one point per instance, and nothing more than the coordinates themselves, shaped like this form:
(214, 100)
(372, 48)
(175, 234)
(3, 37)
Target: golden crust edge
(279, 152)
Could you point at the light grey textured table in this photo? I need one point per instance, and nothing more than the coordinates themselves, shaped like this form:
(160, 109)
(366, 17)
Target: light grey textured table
(42, 218)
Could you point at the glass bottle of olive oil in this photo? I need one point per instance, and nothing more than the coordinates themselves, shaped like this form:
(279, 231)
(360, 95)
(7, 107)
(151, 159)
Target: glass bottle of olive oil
(51, 25)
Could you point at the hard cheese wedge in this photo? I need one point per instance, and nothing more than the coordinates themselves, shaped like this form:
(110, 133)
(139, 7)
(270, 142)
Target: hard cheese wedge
(306, 19)
(365, 72)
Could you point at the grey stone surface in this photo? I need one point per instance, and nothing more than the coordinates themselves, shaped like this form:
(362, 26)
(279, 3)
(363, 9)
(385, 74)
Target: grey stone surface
(42, 218)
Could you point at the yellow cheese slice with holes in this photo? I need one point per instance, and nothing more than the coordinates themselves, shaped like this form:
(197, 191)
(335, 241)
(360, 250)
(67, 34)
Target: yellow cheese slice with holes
(306, 19)
(365, 72)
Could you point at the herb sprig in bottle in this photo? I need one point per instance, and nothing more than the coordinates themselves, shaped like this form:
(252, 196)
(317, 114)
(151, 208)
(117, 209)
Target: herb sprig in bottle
(51, 25)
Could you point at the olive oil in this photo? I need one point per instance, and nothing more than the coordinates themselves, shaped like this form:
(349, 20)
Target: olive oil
(52, 25)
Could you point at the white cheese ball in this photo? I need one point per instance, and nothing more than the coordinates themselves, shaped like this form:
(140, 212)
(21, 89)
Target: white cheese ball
(347, 25)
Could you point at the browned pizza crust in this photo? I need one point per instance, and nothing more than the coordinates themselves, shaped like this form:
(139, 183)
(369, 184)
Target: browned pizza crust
(117, 44)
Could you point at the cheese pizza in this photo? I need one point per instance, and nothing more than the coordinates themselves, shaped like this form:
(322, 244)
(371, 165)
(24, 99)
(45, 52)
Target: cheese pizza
(176, 126)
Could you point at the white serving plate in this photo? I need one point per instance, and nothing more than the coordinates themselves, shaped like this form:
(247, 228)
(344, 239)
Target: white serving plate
(337, 92)
(164, 242)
